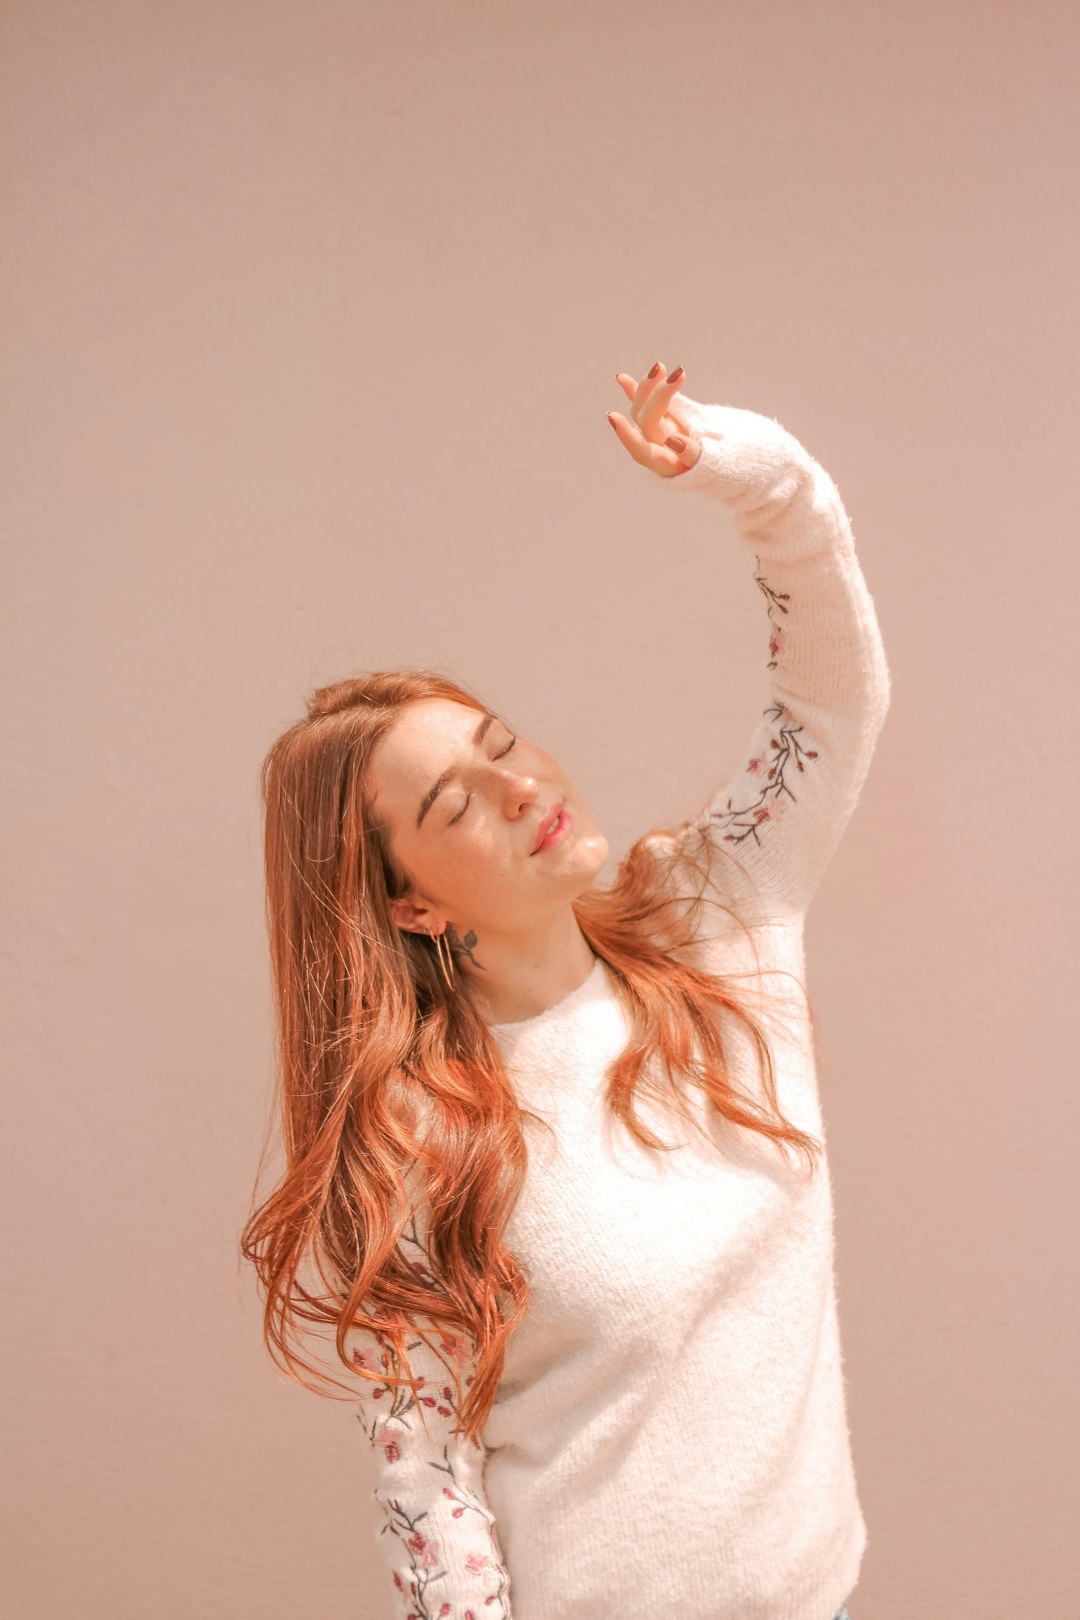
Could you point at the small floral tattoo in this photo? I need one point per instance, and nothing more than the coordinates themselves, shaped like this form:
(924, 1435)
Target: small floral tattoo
(463, 947)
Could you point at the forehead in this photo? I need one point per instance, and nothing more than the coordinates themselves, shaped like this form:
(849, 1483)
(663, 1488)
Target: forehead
(425, 738)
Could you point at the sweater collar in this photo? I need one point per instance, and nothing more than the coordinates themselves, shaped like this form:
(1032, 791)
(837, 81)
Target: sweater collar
(522, 1033)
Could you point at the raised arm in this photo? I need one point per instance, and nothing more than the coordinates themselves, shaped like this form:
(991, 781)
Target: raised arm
(782, 814)
(437, 1533)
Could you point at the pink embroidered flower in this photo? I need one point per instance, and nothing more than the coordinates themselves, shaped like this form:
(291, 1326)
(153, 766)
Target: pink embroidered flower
(426, 1551)
(771, 810)
(776, 641)
(475, 1562)
(458, 1347)
(755, 764)
(390, 1443)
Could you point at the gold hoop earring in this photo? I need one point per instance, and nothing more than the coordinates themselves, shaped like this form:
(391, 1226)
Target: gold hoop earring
(447, 964)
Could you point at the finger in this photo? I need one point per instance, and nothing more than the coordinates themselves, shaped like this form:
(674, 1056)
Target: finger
(678, 415)
(628, 384)
(657, 401)
(676, 412)
(633, 388)
(645, 388)
(679, 406)
(658, 458)
(674, 409)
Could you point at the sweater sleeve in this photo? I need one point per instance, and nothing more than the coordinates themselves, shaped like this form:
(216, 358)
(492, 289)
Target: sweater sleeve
(436, 1532)
(783, 812)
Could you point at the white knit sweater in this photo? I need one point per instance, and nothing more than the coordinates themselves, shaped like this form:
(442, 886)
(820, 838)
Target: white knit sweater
(670, 1436)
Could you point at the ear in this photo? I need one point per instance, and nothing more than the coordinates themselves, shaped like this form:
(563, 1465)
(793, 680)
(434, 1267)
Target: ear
(414, 917)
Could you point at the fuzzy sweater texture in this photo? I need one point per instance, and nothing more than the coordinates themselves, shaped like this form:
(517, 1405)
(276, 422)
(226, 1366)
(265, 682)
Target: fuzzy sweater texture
(670, 1436)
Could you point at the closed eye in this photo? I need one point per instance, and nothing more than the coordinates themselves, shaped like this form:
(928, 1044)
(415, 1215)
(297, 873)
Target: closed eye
(468, 801)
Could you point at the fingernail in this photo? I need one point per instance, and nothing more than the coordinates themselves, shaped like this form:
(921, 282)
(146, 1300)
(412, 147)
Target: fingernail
(654, 370)
(678, 445)
(611, 419)
(673, 375)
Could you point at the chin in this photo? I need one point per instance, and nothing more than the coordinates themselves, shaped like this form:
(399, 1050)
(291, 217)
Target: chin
(596, 852)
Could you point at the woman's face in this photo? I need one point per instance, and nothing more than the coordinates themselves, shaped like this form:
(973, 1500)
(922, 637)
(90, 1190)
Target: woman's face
(469, 848)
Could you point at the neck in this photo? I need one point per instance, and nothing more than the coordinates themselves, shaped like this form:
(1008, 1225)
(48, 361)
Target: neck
(509, 979)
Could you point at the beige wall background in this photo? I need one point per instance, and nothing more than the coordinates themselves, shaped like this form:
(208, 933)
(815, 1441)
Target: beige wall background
(310, 320)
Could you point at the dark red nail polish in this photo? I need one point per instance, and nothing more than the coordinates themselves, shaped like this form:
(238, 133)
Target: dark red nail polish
(655, 369)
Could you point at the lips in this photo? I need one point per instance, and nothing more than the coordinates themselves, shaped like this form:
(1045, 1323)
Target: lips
(547, 823)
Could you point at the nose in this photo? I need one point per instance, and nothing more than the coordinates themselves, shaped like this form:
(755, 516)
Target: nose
(522, 791)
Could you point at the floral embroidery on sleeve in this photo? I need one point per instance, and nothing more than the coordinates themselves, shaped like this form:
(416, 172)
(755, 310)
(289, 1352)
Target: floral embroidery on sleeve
(406, 1446)
(775, 599)
(425, 1559)
(769, 764)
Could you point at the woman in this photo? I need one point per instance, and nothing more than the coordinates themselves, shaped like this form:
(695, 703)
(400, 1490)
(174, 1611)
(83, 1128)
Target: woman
(599, 1369)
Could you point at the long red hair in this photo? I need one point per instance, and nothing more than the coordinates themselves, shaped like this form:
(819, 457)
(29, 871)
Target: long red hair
(403, 1142)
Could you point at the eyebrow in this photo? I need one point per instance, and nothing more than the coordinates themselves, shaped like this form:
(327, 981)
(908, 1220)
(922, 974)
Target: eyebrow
(433, 793)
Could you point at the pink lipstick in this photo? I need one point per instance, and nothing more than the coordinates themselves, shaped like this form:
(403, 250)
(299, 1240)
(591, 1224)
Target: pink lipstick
(557, 830)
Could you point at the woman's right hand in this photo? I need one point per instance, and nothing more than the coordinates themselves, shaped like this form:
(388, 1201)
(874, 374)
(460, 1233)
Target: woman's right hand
(655, 434)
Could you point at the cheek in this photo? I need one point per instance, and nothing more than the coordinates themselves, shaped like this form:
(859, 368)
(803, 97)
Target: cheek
(489, 862)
